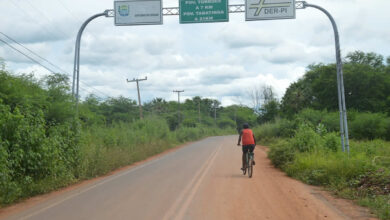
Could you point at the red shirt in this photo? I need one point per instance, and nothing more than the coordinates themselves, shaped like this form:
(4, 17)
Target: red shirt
(247, 137)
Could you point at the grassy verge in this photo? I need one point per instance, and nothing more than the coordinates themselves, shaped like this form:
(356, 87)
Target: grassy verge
(314, 157)
(105, 149)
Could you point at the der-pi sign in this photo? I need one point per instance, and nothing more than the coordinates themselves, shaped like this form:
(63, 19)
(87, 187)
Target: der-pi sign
(269, 9)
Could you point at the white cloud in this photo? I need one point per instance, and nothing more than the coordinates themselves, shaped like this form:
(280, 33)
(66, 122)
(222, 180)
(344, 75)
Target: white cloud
(219, 60)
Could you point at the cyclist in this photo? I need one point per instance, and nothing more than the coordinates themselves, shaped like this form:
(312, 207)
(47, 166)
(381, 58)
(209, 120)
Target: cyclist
(248, 142)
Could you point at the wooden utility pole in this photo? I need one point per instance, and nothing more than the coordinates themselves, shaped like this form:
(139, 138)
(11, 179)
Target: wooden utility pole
(178, 102)
(139, 97)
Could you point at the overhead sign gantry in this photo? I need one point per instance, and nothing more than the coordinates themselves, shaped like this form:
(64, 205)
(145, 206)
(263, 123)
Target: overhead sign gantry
(145, 12)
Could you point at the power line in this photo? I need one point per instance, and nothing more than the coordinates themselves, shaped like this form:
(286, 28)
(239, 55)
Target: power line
(47, 18)
(24, 13)
(52, 64)
(32, 59)
(13, 40)
(67, 9)
(35, 61)
(50, 33)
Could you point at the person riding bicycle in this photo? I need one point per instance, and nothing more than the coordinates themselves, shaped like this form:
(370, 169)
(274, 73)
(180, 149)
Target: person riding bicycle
(248, 142)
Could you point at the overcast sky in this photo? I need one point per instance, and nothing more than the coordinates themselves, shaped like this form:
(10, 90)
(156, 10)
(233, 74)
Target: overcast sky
(216, 60)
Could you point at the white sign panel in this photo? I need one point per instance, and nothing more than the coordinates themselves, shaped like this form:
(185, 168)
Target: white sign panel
(138, 12)
(269, 9)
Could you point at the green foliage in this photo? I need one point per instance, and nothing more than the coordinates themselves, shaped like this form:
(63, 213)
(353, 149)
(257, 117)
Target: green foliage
(361, 125)
(281, 154)
(226, 123)
(42, 147)
(369, 126)
(366, 82)
(331, 142)
(380, 204)
(371, 59)
(281, 128)
(305, 139)
(313, 156)
(269, 111)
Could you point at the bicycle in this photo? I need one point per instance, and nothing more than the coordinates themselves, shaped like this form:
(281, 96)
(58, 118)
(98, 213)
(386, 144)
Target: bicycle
(249, 164)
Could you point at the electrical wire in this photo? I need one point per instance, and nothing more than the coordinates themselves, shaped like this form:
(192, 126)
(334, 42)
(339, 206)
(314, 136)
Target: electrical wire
(69, 11)
(42, 65)
(32, 59)
(52, 64)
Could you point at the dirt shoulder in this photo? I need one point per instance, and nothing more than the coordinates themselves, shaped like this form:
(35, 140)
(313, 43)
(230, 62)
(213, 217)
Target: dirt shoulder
(270, 194)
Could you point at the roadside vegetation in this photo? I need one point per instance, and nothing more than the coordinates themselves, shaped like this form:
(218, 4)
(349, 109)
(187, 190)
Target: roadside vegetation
(44, 145)
(304, 139)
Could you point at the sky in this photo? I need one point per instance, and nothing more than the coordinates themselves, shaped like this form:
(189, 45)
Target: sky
(224, 60)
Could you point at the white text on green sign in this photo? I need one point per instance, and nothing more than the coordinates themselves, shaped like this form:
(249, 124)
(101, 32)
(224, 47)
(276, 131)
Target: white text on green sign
(200, 11)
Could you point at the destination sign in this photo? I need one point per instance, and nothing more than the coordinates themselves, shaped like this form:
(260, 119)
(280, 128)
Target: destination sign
(201, 11)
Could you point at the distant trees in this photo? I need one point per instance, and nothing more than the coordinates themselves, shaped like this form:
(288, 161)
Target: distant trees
(366, 82)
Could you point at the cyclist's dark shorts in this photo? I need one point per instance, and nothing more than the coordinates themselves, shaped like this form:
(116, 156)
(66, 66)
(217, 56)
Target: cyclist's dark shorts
(250, 147)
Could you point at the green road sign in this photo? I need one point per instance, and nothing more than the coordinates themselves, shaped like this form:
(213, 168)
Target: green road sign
(202, 11)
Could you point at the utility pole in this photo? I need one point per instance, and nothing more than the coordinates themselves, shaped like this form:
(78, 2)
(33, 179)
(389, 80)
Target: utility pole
(178, 102)
(139, 97)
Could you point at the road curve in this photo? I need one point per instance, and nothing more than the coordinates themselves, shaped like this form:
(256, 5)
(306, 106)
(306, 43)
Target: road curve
(199, 181)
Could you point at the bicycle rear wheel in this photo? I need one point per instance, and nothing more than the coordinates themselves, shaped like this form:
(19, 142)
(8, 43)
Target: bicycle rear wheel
(246, 164)
(250, 167)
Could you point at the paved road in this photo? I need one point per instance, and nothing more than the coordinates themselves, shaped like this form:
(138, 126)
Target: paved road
(199, 181)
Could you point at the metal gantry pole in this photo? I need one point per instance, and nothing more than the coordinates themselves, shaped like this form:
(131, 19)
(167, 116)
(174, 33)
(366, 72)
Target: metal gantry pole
(76, 67)
(178, 103)
(139, 96)
(340, 81)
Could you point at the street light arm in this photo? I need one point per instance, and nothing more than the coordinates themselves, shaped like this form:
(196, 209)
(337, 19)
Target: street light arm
(342, 105)
(76, 67)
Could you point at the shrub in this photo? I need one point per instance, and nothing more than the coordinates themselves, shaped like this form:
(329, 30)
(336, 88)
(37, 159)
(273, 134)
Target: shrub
(286, 128)
(310, 116)
(305, 139)
(281, 154)
(331, 121)
(266, 132)
(323, 168)
(331, 142)
(226, 123)
(368, 126)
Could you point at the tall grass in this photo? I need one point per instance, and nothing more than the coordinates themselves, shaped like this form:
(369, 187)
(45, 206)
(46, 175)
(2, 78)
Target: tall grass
(105, 149)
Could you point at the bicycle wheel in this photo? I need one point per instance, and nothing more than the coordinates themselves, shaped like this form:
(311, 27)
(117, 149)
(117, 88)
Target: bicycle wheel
(250, 167)
(246, 164)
